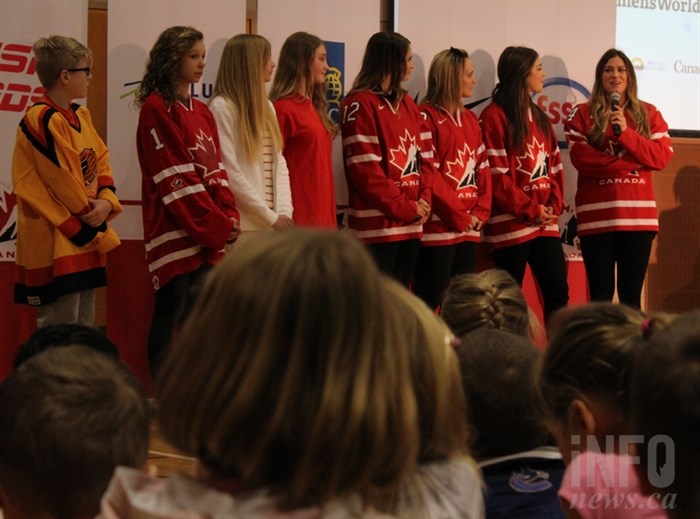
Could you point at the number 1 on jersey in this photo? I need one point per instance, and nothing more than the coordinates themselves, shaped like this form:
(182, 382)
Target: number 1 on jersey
(159, 144)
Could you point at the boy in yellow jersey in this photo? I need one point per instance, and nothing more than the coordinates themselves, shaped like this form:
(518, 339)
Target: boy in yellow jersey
(65, 191)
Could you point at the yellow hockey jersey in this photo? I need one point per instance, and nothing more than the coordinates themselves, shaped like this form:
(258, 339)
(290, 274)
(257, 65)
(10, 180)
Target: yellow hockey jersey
(58, 163)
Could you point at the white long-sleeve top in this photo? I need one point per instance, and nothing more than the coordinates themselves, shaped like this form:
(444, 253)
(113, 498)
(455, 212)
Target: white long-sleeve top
(247, 180)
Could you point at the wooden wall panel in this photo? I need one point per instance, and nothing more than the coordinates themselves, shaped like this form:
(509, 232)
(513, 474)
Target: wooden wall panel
(97, 103)
(673, 280)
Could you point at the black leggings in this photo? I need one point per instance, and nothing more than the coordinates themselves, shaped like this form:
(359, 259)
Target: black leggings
(173, 303)
(437, 265)
(546, 259)
(630, 251)
(396, 259)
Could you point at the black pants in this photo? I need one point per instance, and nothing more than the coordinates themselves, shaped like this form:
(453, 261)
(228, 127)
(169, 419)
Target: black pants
(630, 251)
(396, 259)
(173, 303)
(546, 259)
(437, 265)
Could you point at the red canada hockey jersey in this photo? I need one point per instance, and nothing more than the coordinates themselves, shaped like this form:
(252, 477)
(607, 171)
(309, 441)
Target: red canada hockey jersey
(187, 204)
(615, 191)
(521, 180)
(460, 157)
(388, 166)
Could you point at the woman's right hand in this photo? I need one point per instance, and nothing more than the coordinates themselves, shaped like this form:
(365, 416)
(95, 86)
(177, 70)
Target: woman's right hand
(282, 222)
(546, 217)
(422, 211)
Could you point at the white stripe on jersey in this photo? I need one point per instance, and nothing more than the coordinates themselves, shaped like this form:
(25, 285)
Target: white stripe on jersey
(407, 229)
(428, 236)
(173, 170)
(185, 191)
(496, 152)
(369, 157)
(511, 235)
(173, 256)
(164, 238)
(426, 135)
(364, 213)
(361, 138)
(626, 222)
(501, 218)
(615, 203)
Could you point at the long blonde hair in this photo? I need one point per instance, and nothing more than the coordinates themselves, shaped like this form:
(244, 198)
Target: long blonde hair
(296, 58)
(289, 374)
(241, 83)
(445, 80)
(600, 100)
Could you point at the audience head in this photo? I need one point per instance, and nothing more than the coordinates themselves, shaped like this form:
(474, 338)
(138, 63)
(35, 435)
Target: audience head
(387, 56)
(666, 401)
(65, 334)
(304, 389)
(584, 379)
(55, 54)
(435, 375)
(68, 417)
(498, 375)
(490, 299)
(163, 67)
(450, 78)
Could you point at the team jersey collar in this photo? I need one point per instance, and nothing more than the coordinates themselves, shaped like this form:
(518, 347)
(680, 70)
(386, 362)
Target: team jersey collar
(69, 114)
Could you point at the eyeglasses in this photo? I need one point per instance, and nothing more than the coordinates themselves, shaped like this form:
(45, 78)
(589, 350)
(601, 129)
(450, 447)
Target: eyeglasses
(81, 69)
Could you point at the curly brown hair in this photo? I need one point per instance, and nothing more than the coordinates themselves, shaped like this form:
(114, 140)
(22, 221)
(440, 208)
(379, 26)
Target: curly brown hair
(163, 65)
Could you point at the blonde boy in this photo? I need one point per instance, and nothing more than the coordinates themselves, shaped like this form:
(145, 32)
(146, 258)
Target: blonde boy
(65, 191)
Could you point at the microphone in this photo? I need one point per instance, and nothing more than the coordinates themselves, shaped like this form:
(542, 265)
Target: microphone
(615, 101)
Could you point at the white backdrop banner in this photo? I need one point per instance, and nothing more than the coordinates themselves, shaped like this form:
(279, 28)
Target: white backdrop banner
(569, 36)
(134, 26)
(22, 22)
(345, 26)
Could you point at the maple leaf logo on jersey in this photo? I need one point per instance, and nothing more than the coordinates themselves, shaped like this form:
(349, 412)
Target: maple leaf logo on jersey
(535, 153)
(405, 156)
(463, 171)
(204, 155)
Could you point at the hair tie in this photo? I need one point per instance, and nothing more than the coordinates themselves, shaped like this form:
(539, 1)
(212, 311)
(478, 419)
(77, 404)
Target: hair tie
(646, 328)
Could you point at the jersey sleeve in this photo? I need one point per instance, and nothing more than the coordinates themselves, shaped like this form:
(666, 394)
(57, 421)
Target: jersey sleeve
(247, 196)
(179, 188)
(106, 189)
(655, 152)
(283, 190)
(507, 195)
(556, 174)
(363, 163)
(588, 160)
(482, 207)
